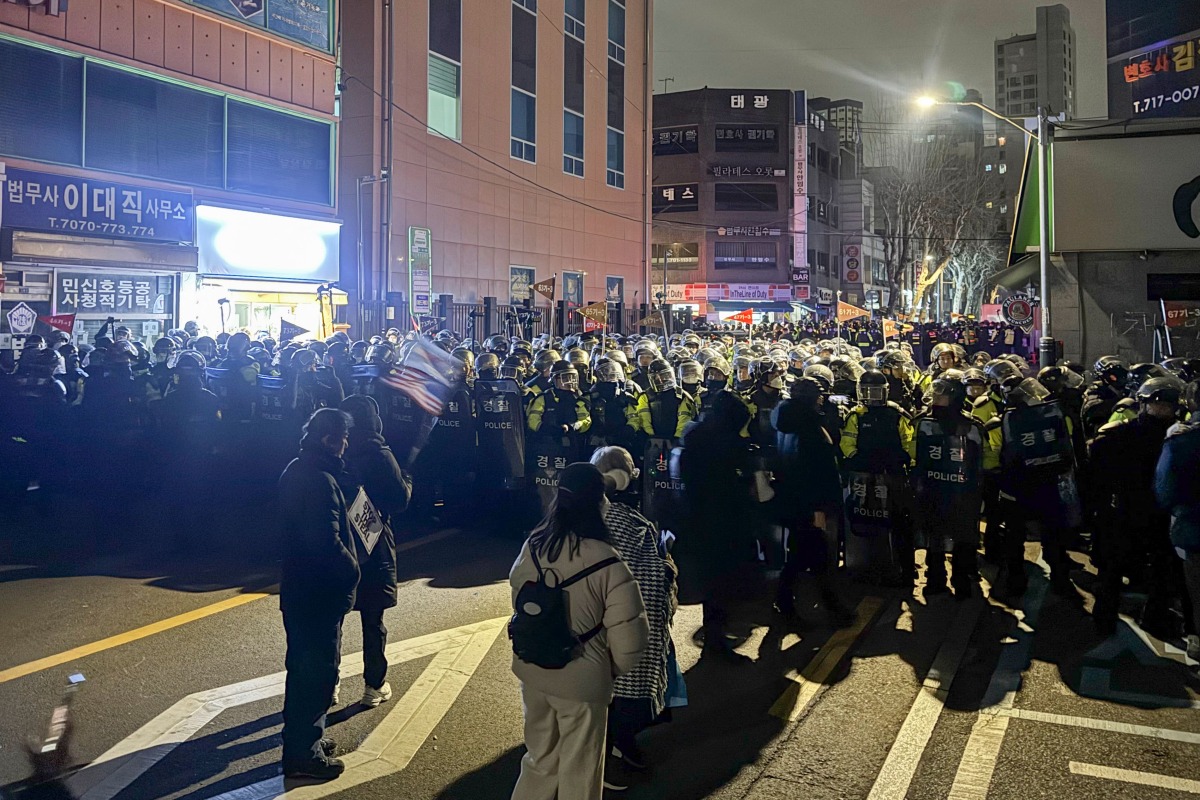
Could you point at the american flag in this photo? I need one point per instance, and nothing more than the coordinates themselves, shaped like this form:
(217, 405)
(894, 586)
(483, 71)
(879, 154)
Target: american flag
(427, 374)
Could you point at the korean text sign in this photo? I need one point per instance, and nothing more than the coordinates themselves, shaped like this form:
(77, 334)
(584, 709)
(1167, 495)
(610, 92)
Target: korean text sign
(120, 295)
(42, 201)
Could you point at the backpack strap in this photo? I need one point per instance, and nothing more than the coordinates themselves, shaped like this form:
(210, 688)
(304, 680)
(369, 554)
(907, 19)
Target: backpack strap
(537, 564)
(578, 576)
(587, 637)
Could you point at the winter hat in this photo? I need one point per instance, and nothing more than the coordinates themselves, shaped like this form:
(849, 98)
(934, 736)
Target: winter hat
(581, 483)
(365, 412)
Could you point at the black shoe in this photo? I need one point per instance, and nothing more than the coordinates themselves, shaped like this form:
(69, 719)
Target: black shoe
(328, 747)
(616, 778)
(631, 756)
(320, 769)
(936, 587)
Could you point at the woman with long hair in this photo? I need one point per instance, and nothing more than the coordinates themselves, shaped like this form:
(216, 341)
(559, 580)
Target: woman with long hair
(566, 708)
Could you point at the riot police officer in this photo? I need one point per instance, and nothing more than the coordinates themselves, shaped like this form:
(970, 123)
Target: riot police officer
(613, 406)
(767, 394)
(947, 479)
(1036, 482)
(664, 410)
(561, 411)
(543, 364)
(1131, 528)
(1102, 395)
(691, 378)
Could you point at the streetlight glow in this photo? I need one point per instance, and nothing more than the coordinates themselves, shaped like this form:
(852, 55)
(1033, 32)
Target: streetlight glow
(925, 101)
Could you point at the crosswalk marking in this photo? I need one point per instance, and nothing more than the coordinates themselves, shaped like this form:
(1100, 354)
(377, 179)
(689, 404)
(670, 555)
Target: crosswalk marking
(1133, 776)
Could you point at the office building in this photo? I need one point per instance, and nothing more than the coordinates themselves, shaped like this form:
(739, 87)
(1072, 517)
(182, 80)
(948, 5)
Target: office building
(165, 161)
(1038, 69)
(1152, 49)
(846, 116)
(516, 136)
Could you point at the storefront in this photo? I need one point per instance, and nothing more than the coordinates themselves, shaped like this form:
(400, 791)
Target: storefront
(257, 270)
(94, 249)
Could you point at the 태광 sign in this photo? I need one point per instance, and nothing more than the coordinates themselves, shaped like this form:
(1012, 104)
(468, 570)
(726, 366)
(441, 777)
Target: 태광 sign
(44, 201)
(420, 270)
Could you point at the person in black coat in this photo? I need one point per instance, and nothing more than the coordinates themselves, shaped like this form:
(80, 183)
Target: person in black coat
(807, 487)
(320, 574)
(716, 531)
(371, 466)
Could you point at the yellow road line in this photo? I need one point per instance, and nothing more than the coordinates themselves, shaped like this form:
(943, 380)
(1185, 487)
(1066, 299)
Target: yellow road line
(67, 656)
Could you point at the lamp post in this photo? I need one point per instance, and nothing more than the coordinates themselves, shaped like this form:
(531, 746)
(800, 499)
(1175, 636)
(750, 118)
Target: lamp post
(1047, 351)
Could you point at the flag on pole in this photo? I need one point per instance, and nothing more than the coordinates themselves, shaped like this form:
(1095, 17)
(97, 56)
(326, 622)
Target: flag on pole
(289, 330)
(891, 329)
(847, 312)
(746, 317)
(595, 316)
(427, 374)
(60, 322)
(546, 288)
(654, 320)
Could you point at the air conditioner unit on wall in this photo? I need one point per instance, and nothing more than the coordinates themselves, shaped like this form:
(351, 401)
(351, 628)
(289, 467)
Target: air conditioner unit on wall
(51, 7)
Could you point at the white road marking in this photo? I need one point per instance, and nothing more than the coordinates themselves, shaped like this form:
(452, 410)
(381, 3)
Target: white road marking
(1133, 776)
(803, 691)
(901, 765)
(978, 763)
(458, 653)
(1187, 737)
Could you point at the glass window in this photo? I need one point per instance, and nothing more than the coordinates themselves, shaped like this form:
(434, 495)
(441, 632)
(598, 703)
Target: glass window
(573, 72)
(616, 31)
(524, 50)
(677, 255)
(445, 97)
(142, 126)
(524, 126)
(616, 95)
(445, 28)
(573, 143)
(41, 104)
(278, 154)
(615, 172)
(746, 197)
(530, 5)
(574, 19)
(745, 255)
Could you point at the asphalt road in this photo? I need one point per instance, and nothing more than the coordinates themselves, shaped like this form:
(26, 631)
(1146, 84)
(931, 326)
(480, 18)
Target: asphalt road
(918, 699)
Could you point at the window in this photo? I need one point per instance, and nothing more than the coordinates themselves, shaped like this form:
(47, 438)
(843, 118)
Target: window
(822, 160)
(1003, 209)
(746, 197)
(1030, 93)
(278, 154)
(835, 269)
(142, 126)
(616, 30)
(1003, 168)
(444, 85)
(523, 139)
(573, 143)
(615, 173)
(573, 72)
(822, 263)
(745, 255)
(574, 17)
(1029, 80)
(834, 216)
(41, 114)
(987, 167)
(1014, 81)
(812, 155)
(988, 204)
(677, 255)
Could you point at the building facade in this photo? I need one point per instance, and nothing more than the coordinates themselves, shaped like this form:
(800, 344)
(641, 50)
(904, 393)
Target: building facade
(489, 146)
(1152, 69)
(167, 160)
(1038, 69)
(746, 202)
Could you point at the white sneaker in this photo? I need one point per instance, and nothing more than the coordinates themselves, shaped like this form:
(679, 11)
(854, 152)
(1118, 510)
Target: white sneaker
(1193, 647)
(337, 694)
(373, 697)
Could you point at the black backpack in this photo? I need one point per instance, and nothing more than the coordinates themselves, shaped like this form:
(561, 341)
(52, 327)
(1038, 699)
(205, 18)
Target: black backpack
(540, 628)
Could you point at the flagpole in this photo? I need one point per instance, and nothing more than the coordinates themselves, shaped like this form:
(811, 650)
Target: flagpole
(838, 312)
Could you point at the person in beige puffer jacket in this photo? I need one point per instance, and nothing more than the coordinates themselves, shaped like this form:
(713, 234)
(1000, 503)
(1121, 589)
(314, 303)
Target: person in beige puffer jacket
(566, 710)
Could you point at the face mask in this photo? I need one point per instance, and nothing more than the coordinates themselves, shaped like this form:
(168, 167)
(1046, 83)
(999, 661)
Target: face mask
(776, 382)
(606, 390)
(715, 386)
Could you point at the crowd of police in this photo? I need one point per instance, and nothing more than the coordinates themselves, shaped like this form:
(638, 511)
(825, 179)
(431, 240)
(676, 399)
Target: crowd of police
(920, 458)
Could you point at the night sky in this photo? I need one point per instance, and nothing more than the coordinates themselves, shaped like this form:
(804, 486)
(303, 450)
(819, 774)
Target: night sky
(863, 49)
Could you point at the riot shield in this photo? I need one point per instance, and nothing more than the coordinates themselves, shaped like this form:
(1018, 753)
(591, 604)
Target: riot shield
(548, 456)
(877, 540)
(500, 424)
(660, 490)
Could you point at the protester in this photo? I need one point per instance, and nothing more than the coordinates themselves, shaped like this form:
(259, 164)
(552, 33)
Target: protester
(320, 573)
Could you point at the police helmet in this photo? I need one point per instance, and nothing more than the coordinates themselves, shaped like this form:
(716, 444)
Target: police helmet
(511, 367)
(238, 344)
(577, 357)
(1161, 389)
(820, 373)
(873, 388)
(979, 359)
(496, 344)
(690, 372)
(1110, 370)
(358, 350)
(165, 346)
(1186, 369)
(808, 391)
(206, 346)
(465, 356)
(1027, 392)
(1020, 363)
(944, 349)
(488, 366)
(1000, 372)
(1140, 373)
(546, 359)
(662, 377)
(565, 376)
(609, 371)
(950, 385)
(1057, 378)
(717, 368)
(381, 354)
(976, 382)
(304, 359)
(44, 361)
(34, 341)
(188, 362)
(893, 360)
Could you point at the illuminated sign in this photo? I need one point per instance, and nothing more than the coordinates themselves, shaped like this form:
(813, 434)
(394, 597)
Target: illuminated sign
(249, 244)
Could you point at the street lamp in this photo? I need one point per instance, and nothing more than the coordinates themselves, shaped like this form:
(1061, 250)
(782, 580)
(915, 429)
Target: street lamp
(1047, 351)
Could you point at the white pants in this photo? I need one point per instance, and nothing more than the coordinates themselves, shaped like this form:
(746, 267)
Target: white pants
(564, 740)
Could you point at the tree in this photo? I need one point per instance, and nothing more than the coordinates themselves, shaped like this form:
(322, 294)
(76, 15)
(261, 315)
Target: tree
(932, 193)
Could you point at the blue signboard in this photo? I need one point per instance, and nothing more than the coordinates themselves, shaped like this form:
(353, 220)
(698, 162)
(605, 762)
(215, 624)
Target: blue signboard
(306, 21)
(248, 11)
(41, 201)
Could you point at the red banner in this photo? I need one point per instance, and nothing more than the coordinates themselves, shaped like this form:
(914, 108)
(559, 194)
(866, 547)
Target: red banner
(746, 317)
(62, 322)
(846, 312)
(1179, 314)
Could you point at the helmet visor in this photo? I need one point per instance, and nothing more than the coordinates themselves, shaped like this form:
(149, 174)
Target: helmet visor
(662, 380)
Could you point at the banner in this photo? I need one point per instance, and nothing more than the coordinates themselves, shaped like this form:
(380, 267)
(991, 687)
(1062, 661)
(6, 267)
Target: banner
(746, 317)
(289, 330)
(61, 322)
(420, 270)
(846, 312)
(891, 329)
(597, 312)
(1180, 314)
(546, 288)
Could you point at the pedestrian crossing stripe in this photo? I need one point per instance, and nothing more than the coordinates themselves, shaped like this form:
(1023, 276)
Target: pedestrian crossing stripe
(457, 654)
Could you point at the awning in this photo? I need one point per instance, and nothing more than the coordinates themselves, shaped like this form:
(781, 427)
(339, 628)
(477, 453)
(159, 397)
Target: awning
(286, 293)
(761, 306)
(1025, 271)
